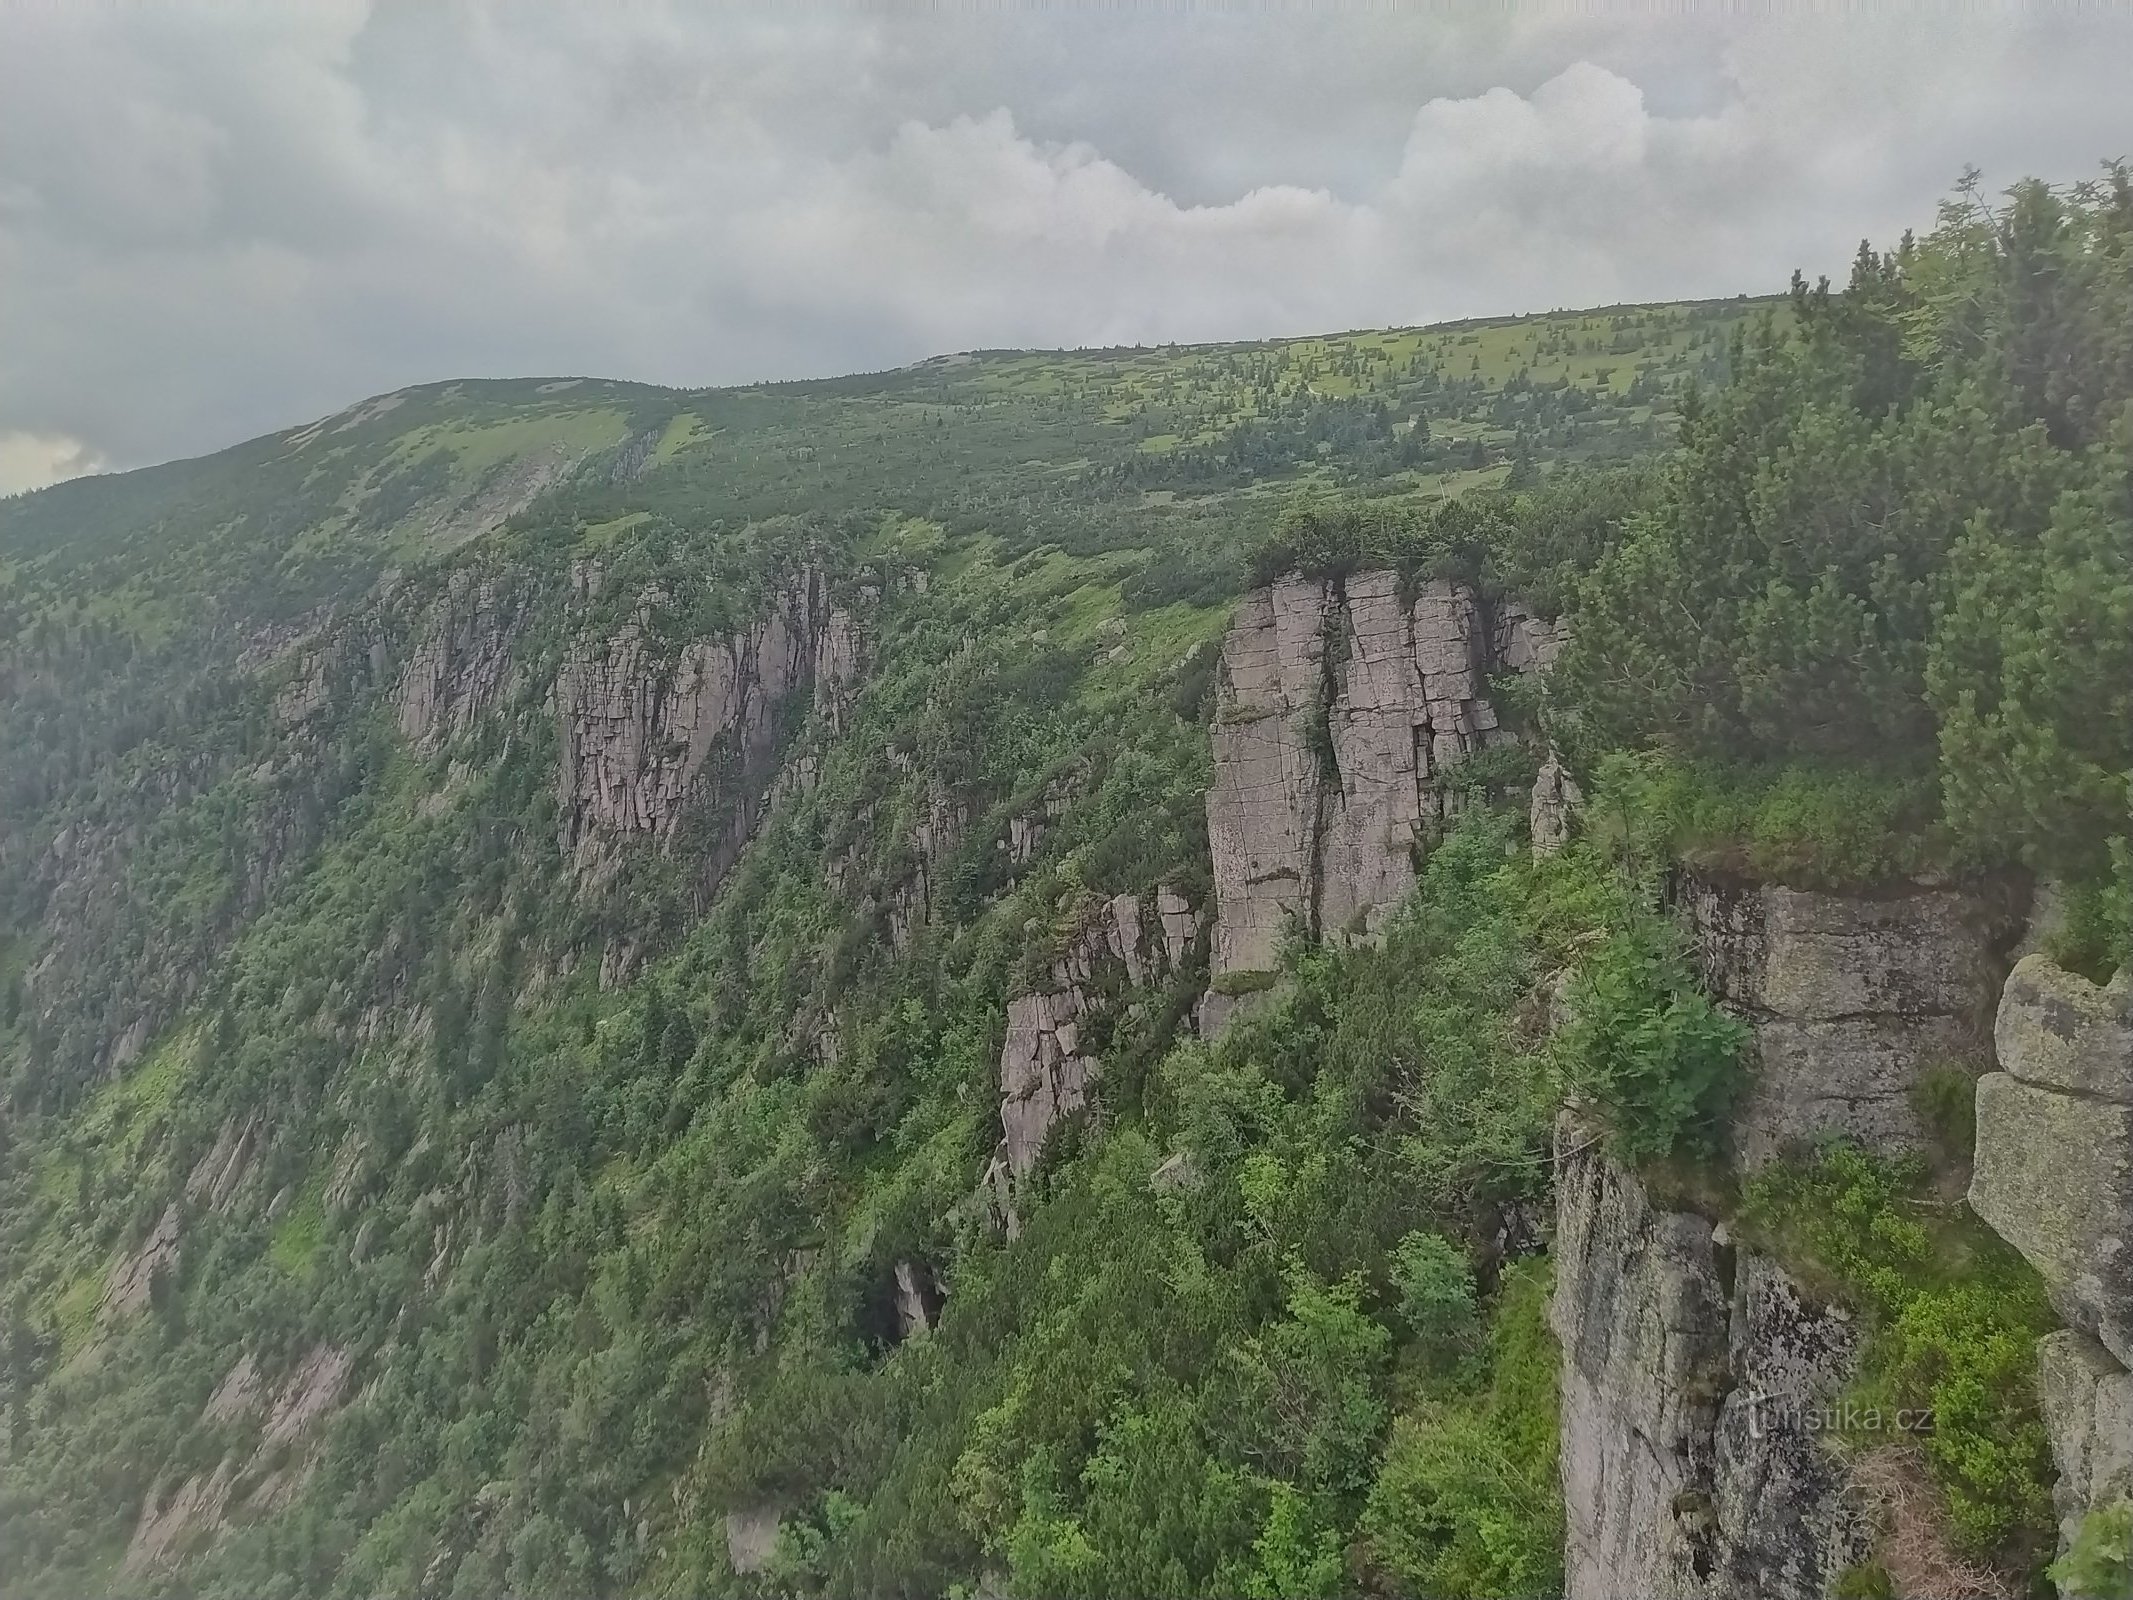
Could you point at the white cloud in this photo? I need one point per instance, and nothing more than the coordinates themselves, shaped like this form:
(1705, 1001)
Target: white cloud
(33, 460)
(213, 222)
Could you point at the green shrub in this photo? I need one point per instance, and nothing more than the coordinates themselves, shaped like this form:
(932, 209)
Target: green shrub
(1792, 822)
(1467, 1501)
(1646, 1045)
(1436, 1289)
(2098, 936)
(2099, 1566)
(1952, 1320)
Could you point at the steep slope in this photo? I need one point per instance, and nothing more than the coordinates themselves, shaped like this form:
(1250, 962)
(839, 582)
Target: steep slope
(664, 1009)
(563, 888)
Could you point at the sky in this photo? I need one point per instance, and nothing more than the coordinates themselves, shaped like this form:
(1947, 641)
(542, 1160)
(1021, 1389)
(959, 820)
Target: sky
(218, 218)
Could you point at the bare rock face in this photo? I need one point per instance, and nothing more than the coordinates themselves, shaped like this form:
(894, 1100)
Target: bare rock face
(936, 834)
(1693, 1391)
(1555, 799)
(650, 731)
(1787, 1524)
(1262, 812)
(751, 1538)
(1409, 700)
(918, 1299)
(1044, 1077)
(2055, 1178)
(1854, 999)
(174, 1519)
(462, 665)
(132, 1277)
(216, 1175)
(1046, 1073)
(837, 666)
(1640, 1313)
(2086, 1397)
(2054, 1170)
(1341, 706)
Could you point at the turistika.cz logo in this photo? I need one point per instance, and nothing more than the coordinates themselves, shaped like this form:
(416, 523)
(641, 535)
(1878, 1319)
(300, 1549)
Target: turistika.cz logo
(1779, 1413)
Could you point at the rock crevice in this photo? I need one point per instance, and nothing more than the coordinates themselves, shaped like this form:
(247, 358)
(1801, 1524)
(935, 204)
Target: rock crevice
(1693, 1390)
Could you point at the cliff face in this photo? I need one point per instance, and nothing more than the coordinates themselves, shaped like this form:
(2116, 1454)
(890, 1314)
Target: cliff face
(1696, 1378)
(653, 733)
(461, 663)
(1340, 709)
(1691, 1387)
(1854, 1000)
(2054, 1177)
(1048, 1070)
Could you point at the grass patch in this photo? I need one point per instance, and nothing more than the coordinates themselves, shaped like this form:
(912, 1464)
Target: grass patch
(296, 1240)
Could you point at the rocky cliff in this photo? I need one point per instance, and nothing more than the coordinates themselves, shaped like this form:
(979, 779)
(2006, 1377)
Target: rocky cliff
(1341, 706)
(1855, 999)
(2054, 1177)
(461, 662)
(1048, 1067)
(1694, 1381)
(1698, 1379)
(653, 731)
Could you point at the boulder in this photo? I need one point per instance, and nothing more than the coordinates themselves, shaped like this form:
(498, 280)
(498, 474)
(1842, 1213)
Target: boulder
(2086, 1397)
(2054, 1168)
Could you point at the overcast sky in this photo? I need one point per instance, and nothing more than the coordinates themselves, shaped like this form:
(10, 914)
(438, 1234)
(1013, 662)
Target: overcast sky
(221, 219)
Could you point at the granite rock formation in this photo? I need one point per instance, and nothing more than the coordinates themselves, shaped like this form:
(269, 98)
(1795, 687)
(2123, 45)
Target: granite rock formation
(1694, 1382)
(1341, 706)
(1047, 1074)
(2054, 1177)
(461, 665)
(651, 732)
(1854, 1000)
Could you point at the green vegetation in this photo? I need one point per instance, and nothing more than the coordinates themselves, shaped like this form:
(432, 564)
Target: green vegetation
(543, 1196)
(1647, 1046)
(1953, 1317)
(2101, 1560)
(1898, 543)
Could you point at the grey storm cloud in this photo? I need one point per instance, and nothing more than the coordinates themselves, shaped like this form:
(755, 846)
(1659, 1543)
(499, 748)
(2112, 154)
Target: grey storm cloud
(218, 219)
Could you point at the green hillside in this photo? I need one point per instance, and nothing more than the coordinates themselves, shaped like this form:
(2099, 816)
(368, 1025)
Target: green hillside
(510, 898)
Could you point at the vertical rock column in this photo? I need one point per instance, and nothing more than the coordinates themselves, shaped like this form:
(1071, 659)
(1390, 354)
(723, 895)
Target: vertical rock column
(1340, 711)
(2054, 1177)
(1692, 1381)
(1262, 812)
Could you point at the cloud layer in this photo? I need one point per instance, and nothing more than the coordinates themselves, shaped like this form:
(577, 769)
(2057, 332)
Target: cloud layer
(217, 220)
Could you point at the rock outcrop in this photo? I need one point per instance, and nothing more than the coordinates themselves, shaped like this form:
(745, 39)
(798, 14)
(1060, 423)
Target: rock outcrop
(461, 665)
(175, 1518)
(1854, 1000)
(2054, 1177)
(1046, 1072)
(2086, 1397)
(651, 732)
(936, 833)
(1694, 1390)
(752, 1538)
(1262, 811)
(2054, 1171)
(132, 1277)
(1341, 706)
